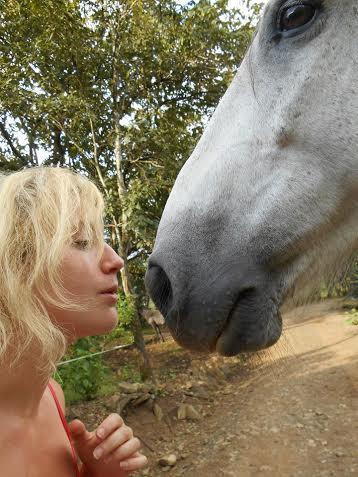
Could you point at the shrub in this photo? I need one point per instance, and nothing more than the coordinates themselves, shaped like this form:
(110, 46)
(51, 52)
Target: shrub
(82, 379)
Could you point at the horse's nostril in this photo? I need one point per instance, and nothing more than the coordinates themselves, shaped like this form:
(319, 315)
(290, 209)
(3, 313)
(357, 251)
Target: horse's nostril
(159, 288)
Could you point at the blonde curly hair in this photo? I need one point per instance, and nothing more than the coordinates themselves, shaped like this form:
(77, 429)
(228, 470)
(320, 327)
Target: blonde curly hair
(43, 209)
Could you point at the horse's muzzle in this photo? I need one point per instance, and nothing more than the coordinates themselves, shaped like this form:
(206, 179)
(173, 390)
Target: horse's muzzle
(218, 317)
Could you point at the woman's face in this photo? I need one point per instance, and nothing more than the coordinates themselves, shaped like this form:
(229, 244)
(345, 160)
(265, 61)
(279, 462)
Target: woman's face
(90, 280)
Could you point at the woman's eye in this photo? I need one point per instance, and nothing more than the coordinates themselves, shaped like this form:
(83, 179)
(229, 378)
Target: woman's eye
(296, 16)
(81, 244)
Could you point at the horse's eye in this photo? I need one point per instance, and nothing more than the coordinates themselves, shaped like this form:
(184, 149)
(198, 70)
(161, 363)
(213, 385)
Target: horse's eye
(296, 16)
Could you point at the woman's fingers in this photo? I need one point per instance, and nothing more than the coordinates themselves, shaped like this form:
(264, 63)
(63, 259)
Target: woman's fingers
(134, 463)
(125, 451)
(110, 424)
(113, 441)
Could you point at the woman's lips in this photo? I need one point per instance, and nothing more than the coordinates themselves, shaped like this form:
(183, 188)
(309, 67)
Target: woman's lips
(110, 297)
(110, 294)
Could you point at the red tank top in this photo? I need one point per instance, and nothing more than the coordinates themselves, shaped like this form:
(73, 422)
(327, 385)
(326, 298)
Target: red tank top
(67, 429)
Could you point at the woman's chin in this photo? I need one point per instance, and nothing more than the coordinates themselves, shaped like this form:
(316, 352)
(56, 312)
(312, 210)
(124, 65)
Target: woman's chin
(108, 322)
(104, 322)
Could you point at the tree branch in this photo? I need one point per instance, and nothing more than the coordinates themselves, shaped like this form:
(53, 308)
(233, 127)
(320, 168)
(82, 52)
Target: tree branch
(5, 134)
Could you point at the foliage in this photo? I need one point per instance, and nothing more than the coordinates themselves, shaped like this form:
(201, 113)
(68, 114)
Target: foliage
(126, 312)
(130, 373)
(82, 379)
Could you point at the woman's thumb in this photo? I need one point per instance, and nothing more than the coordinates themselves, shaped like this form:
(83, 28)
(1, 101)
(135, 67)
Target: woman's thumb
(79, 431)
(83, 440)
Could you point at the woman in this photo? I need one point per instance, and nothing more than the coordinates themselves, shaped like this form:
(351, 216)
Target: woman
(58, 283)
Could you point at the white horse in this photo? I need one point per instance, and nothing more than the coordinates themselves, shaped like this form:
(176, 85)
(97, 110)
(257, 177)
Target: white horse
(267, 203)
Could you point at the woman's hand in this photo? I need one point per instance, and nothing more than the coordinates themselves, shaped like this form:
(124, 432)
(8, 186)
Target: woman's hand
(110, 451)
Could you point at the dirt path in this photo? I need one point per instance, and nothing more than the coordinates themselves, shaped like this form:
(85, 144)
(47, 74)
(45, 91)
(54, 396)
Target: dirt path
(295, 414)
(292, 412)
(297, 418)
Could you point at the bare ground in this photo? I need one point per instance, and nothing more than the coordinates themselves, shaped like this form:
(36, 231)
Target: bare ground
(290, 412)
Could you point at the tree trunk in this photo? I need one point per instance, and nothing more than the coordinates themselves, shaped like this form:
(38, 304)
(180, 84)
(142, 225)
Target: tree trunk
(58, 149)
(120, 236)
(136, 327)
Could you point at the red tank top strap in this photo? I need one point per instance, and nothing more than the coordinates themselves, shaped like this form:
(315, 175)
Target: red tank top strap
(67, 429)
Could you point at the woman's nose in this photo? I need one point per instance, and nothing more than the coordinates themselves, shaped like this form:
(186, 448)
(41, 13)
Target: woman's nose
(111, 261)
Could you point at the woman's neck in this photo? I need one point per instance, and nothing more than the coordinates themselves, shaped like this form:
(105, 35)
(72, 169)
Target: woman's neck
(21, 386)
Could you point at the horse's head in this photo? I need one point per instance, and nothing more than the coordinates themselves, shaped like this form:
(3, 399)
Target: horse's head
(267, 203)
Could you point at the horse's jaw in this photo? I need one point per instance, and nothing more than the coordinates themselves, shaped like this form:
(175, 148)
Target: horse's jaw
(252, 325)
